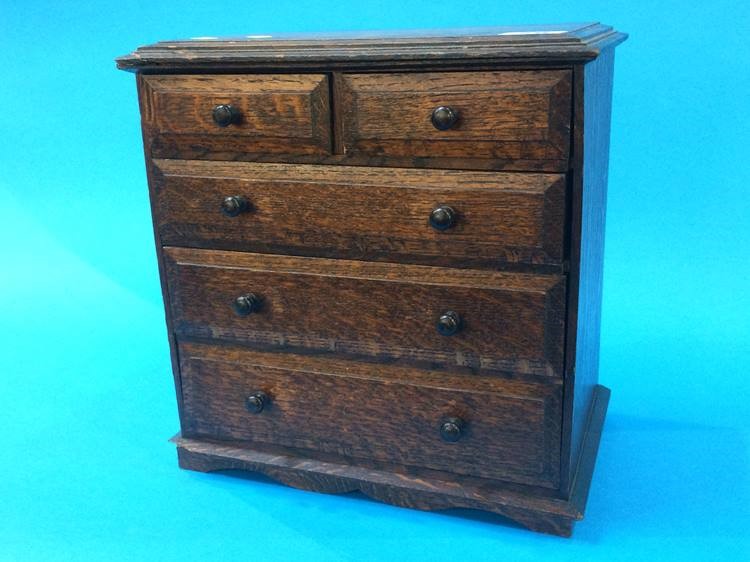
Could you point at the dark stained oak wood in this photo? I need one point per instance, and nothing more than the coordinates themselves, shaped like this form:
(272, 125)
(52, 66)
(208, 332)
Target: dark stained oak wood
(176, 375)
(591, 147)
(511, 322)
(381, 259)
(558, 44)
(504, 116)
(277, 113)
(531, 508)
(392, 415)
(195, 147)
(363, 213)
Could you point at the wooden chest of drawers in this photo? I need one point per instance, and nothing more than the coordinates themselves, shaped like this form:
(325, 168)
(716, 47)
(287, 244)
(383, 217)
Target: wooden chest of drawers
(381, 259)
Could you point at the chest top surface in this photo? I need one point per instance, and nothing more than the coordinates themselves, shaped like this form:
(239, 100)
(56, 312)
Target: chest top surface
(547, 44)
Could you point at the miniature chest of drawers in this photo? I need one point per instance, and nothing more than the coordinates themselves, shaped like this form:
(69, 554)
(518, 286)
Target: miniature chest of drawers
(381, 259)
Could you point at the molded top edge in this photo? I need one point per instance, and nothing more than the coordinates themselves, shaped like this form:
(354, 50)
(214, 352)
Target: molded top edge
(564, 43)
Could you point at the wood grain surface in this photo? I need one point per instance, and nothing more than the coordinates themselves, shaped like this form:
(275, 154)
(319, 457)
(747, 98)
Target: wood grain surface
(545, 45)
(532, 507)
(336, 154)
(594, 84)
(287, 113)
(362, 412)
(363, 213)
(505, 116)
(511, 322)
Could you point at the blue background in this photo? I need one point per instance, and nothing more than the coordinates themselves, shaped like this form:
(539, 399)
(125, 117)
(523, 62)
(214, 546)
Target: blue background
(86, 397)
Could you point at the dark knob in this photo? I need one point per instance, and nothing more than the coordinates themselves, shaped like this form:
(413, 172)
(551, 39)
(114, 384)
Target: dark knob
(442, 218)
(452, 429)
(449, 323)
(247, 304)
(234, 205)
(225, 114)
(256, 402)
(443, 118)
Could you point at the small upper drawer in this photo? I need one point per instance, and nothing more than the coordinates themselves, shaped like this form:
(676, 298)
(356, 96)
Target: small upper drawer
(514, 120)
(227, 116)
(440, 217)
(443, 317)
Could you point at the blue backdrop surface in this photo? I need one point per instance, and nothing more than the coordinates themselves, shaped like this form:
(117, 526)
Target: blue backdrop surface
(86, 396)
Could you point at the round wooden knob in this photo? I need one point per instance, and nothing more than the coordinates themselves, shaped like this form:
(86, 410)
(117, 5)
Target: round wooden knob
(444, 117)
(247, 304)
(256, 402)
(234, 205)
(449, 323)
(442, 218)
(225, 114)
(451, 429)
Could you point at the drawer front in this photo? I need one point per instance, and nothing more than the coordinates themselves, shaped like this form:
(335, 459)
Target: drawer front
(227, 116)
(498, 321)
(515, 120)
(507, 430)
(362, 213)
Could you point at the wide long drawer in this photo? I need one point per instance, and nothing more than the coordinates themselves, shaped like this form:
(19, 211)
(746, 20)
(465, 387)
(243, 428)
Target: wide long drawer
(483, 426)
(425, 216)
(444, 317)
